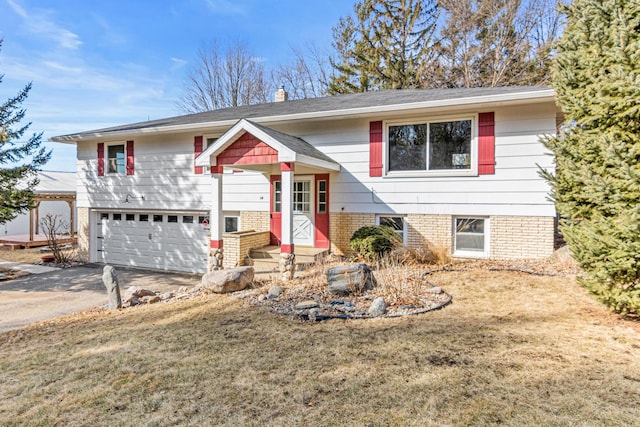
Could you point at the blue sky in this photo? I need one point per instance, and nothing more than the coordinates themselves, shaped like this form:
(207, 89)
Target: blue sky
(95, 64)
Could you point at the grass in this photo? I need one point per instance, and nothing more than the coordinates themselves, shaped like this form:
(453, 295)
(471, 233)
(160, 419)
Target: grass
(27, 256)
(512, 349)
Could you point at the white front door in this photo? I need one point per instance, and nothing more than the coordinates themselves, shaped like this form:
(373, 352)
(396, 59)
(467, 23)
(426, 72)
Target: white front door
(303, 210)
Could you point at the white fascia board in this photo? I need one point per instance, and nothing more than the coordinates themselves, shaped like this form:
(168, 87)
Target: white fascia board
(535, 96)
(312, 161)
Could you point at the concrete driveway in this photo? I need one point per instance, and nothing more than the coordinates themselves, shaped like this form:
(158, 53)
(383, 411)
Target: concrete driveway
(55, 293)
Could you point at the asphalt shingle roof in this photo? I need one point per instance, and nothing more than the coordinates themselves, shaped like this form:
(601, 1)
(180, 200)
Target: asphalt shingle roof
(316, 105)
(297, 145)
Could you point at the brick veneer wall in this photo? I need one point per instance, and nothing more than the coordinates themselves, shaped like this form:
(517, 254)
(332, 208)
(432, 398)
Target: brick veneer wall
(521, 237)
(435, 229)
(342, 225)
(510, 236)
(237, 246)
(254, 220)
(83, 234)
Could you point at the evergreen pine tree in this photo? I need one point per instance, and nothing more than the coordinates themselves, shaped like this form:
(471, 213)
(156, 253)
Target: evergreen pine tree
(385, 46)
(17, 182)
(596, 184)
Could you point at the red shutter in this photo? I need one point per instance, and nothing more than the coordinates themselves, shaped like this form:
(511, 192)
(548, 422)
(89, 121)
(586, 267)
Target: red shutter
(101, 159)
(375, 149)
(129, 157)
(197, 150)
(486, 144)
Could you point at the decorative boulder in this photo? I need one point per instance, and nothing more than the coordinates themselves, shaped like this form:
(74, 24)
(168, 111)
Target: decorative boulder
(353, 278)
(378, 307)
(110, 280)
(229, 280)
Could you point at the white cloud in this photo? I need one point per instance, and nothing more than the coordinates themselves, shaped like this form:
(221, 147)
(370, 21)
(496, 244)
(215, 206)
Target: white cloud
(177, 63)
(225, 7)
(40, 22)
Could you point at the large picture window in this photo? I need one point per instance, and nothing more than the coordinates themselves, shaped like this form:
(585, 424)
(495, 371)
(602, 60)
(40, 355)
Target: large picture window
(432, 146)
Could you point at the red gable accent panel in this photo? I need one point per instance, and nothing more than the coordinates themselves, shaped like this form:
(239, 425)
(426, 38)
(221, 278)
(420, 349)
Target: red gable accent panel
(101, 159)
(248, 150)
(197, 150)
(486, 144)
(129, 157)
(375, 149)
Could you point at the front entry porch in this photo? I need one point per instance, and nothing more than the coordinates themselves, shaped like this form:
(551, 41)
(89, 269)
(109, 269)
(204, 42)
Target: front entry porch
(299, 189)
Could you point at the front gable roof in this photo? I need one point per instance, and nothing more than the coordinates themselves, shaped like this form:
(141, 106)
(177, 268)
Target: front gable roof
(289, 148)
(367, 103)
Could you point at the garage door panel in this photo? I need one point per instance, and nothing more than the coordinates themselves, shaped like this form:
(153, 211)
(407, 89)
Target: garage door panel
(175, 246)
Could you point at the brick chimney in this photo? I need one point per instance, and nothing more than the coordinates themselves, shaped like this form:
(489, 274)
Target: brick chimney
(281, 95)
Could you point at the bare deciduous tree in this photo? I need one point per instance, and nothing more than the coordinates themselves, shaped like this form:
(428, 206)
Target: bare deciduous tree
(308, 76)
(224, 77)
(496, 42)
(55, 227)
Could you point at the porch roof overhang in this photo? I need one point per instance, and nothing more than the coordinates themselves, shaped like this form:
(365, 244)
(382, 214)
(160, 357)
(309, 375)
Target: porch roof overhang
(290, 148)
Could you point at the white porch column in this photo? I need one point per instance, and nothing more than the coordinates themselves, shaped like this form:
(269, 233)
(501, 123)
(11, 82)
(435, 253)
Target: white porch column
(287, 257)
(216, 219)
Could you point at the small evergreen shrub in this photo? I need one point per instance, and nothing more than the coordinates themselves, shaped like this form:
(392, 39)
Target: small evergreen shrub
(371, 242)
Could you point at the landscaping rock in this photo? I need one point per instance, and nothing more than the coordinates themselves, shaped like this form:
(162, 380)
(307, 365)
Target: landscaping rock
(305, 305)
(229, 280)
(148, 299)
(167, 295)
(347, 279)
(434, 290)
(378, 307)
(275, 291)
(137, 292)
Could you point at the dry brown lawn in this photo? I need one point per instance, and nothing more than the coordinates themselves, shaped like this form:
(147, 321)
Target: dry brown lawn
(512, 349)
(27, 256)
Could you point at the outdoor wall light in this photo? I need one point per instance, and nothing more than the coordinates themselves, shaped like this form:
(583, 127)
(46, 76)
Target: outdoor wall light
(132, 197)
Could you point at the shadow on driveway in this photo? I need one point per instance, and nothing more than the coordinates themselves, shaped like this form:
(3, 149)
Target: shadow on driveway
(44, 296)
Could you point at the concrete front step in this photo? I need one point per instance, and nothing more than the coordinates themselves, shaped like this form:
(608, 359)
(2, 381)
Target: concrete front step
(268, 258)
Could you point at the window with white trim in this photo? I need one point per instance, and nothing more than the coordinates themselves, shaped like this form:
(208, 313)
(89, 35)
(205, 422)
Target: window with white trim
(398, 223)
(116, 159)
(231, 223)
(443, 145)
(471, 237)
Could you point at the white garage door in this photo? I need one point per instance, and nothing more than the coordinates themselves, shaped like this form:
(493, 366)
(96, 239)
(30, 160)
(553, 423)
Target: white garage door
(163, 241)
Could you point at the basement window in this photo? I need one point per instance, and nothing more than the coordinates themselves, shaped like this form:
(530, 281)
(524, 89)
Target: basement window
(470, 237)
(231, 223)
(398, 223)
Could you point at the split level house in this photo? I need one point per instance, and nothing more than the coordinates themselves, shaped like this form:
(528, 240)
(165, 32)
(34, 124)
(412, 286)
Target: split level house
(456, 168)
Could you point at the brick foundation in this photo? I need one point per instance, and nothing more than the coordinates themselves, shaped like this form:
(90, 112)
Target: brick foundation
(342, 226)
(435, 229)
(511, 237)
(515, 237)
